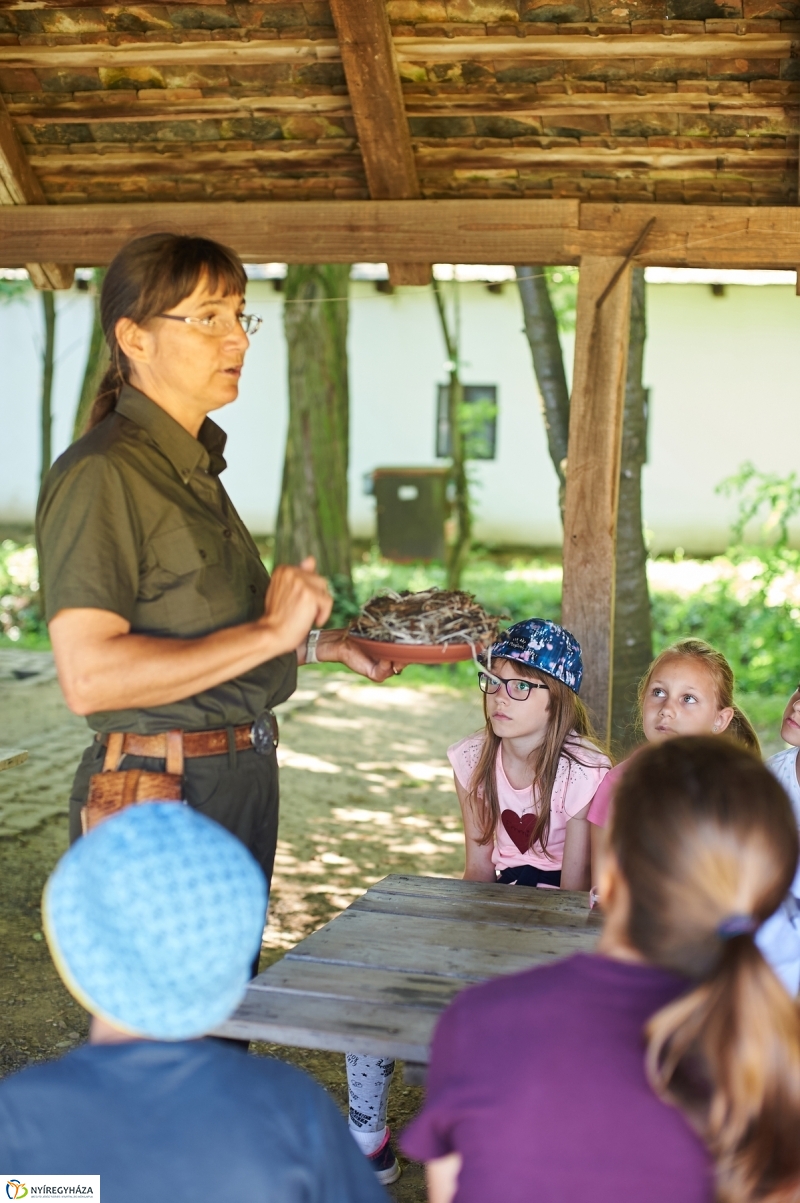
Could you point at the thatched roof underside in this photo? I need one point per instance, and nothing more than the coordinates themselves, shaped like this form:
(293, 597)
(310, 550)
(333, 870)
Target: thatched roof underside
(693, 102)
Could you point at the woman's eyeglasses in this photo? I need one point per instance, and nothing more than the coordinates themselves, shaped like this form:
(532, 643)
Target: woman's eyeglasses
(218, 326)
(516, 688)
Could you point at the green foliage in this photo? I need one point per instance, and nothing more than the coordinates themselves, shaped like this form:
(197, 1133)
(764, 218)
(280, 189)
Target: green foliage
(13, 289)
(760, 491)
(21, 623)
(751, 612)
(562, 284)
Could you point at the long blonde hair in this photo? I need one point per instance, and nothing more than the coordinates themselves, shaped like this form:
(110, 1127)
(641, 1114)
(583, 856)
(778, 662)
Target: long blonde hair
(707, 844)
(568, 721)
(721, 673)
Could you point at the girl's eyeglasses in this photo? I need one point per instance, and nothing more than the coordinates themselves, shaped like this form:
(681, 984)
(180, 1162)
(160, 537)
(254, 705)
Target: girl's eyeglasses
(218, 326)
(516, 688)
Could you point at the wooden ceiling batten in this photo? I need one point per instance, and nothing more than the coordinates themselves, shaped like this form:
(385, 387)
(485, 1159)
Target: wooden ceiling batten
(19, 186)
(165, 54)
(376, 96)
(365, 23)
(598, 46)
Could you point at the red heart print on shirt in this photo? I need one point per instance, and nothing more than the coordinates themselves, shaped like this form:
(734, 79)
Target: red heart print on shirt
(519, 827)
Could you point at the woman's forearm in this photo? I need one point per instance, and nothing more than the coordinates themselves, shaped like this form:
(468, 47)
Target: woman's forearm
(102, 666)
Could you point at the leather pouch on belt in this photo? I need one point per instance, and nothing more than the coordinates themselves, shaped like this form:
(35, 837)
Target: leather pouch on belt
(113, 790)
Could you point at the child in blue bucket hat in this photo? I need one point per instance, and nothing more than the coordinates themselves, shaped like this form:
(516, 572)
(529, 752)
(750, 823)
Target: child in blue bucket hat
(525, 782)
(153, 921)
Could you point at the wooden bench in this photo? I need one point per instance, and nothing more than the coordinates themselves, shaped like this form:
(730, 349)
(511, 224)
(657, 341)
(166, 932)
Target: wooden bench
(376, 978)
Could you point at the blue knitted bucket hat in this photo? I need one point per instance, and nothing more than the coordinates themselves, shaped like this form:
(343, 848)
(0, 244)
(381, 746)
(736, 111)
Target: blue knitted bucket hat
(153, 920)
(543, 645)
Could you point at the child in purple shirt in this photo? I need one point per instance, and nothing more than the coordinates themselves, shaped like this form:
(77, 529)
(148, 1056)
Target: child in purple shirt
(664, 1069)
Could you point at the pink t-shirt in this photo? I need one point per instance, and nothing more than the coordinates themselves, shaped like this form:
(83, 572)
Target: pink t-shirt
(576, 784)
(600, 809)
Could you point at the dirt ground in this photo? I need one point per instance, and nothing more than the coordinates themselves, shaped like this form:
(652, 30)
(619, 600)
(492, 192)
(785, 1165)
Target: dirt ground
(365, 791)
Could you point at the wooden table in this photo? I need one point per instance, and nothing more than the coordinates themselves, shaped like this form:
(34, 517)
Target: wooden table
(376, 978)
(9, 757)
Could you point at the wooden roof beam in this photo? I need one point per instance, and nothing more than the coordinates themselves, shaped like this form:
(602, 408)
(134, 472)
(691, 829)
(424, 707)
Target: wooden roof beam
(376, 97)
(417, 231)
(19, 186)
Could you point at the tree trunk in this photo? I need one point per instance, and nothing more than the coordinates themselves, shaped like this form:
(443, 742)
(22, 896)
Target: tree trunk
(48, 360)
(632, 621)
(458, 552)
(633, 640)
(541, 328)
(97, 360)
(312, 515)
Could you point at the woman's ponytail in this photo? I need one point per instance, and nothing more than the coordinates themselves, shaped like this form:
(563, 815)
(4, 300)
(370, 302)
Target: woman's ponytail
(108, 392)
(707, 843)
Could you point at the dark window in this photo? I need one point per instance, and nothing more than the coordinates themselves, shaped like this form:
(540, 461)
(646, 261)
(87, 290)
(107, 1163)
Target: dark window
(478, 421)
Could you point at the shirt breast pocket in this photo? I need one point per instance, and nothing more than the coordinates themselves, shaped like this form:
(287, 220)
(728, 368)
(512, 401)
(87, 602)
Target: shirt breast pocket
(183, 580)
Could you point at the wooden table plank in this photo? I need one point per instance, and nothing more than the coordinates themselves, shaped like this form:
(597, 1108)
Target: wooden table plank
(435, 946)
(384, 986)
(10, 757)
(485, 893)
(342, 1027)
(376, 978)
(456, 911)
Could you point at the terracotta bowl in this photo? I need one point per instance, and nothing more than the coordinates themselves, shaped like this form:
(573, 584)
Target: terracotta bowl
(414, 653)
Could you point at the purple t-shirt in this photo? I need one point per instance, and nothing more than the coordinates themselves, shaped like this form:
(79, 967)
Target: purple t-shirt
(538, 1081)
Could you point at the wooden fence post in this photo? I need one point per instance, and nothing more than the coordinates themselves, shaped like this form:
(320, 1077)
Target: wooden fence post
(593, 460)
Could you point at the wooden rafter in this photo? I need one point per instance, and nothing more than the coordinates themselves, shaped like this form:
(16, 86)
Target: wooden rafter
(19, 186)
(376, 97)
(422, 231)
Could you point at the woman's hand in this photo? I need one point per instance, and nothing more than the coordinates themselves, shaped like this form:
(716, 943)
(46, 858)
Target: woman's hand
(335, 648)
(297, 600)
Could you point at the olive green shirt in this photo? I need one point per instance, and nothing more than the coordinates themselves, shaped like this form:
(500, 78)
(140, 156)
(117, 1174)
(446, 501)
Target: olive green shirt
(133, 518)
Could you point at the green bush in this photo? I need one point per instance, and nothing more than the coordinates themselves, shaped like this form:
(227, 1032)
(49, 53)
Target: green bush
(21, 622)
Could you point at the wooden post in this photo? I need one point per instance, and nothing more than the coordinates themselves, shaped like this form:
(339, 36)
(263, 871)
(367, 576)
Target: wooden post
(593, 458)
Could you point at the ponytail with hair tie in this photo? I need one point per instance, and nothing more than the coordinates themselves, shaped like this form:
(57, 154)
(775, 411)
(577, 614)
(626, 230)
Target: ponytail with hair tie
(737, 925)
(701, 829)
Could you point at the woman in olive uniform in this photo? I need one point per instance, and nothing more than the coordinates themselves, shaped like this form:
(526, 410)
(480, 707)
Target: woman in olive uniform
(168, 634)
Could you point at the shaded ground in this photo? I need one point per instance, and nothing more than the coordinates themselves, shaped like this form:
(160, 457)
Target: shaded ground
(366, 791)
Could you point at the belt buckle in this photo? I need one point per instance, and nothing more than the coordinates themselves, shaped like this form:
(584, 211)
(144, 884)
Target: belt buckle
(264, 733)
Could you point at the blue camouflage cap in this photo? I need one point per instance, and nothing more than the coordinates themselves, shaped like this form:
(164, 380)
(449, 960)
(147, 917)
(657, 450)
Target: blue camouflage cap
(543, 645)
(153, 920)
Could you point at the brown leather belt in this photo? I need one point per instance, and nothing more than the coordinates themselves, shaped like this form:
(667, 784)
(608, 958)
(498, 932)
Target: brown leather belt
(173, 746)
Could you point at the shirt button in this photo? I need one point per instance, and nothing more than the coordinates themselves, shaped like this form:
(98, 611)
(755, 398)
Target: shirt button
(203, 554)
(227, 533)
(252, 589)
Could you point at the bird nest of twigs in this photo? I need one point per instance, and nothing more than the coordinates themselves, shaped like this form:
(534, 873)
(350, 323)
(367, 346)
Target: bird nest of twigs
(435, 616)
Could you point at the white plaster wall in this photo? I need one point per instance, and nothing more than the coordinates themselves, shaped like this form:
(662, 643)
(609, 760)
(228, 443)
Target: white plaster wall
(723, 374)
(21, 341)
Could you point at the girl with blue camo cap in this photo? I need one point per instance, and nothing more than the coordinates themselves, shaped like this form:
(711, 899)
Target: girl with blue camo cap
(525, 782)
